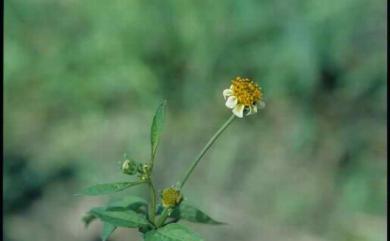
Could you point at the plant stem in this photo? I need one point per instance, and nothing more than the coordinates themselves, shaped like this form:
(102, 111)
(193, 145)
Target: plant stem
(164, 214)
(204, 150)
(152, 206)
(152, 161)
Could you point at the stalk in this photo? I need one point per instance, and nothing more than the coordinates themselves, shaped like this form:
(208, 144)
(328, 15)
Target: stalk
(180, 184)
(152, 206)
(204, 150)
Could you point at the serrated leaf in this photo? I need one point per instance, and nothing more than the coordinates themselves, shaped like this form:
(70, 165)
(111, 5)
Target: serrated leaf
(172, 232)
(129, 202)
(101, 189)
(127, 218)
(108, 229)
(190, 213)
(157, 126)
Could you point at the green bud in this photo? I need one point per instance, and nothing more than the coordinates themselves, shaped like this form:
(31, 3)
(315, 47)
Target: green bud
(146, 168)
(144, 171)
(129, 167)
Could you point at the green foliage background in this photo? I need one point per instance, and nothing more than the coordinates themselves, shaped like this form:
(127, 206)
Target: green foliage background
(82, 80)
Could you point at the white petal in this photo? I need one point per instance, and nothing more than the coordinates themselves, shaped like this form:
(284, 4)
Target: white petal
(261, 104)
(226, 93)
(231, 102)
(254, 109)
(238, 110)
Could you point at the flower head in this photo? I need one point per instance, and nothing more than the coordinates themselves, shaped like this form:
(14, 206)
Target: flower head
(171, 197)
(243, 96)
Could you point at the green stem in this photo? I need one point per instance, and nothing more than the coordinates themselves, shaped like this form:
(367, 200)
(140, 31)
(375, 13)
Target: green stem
(164, 215)
(152, 206)
(152, 161)
(204, 150)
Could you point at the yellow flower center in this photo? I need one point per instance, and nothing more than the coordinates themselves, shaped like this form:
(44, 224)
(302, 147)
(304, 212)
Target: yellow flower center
(171, 197)
(246, 91)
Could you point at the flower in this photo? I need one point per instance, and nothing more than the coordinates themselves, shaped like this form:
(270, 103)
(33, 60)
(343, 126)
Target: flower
(243, 96)
(171, 197)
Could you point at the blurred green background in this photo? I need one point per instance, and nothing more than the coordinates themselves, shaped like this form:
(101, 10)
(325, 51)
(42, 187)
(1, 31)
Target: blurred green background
(82, 80)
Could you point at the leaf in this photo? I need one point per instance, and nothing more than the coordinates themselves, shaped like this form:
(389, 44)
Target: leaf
(88, 218)
(126, 218)
(128, 202)
(172, 232)
(190, 213)
(157, 126)
(101, 189)
(108, 229)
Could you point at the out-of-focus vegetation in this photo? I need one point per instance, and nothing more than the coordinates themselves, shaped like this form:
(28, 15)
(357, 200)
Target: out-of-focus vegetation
(83, 78)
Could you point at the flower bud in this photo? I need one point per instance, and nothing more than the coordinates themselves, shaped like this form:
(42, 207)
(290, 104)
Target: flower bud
(144, 171)
(129, 167)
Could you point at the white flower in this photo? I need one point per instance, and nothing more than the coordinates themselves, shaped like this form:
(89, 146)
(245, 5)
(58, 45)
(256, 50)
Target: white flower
(243, 96)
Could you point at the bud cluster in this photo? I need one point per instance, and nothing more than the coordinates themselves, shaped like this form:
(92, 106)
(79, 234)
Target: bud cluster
(131, 167)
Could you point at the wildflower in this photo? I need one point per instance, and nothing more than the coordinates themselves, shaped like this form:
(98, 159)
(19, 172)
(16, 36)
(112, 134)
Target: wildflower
(243, 96)
(171, 197)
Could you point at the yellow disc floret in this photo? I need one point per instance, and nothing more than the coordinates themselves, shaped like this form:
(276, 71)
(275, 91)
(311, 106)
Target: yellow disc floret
(247, 92)
(171, 197)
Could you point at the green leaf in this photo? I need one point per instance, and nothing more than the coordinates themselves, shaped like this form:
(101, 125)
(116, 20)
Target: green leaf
(101, 189)
(127, 218)
(128, 202)
(88, 218)
(190, 213)
(172, 232)
(157, 126)
(108, 229)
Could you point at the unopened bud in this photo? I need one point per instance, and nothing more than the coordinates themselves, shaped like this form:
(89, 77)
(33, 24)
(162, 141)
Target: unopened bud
(129, 167)
(144, 171)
